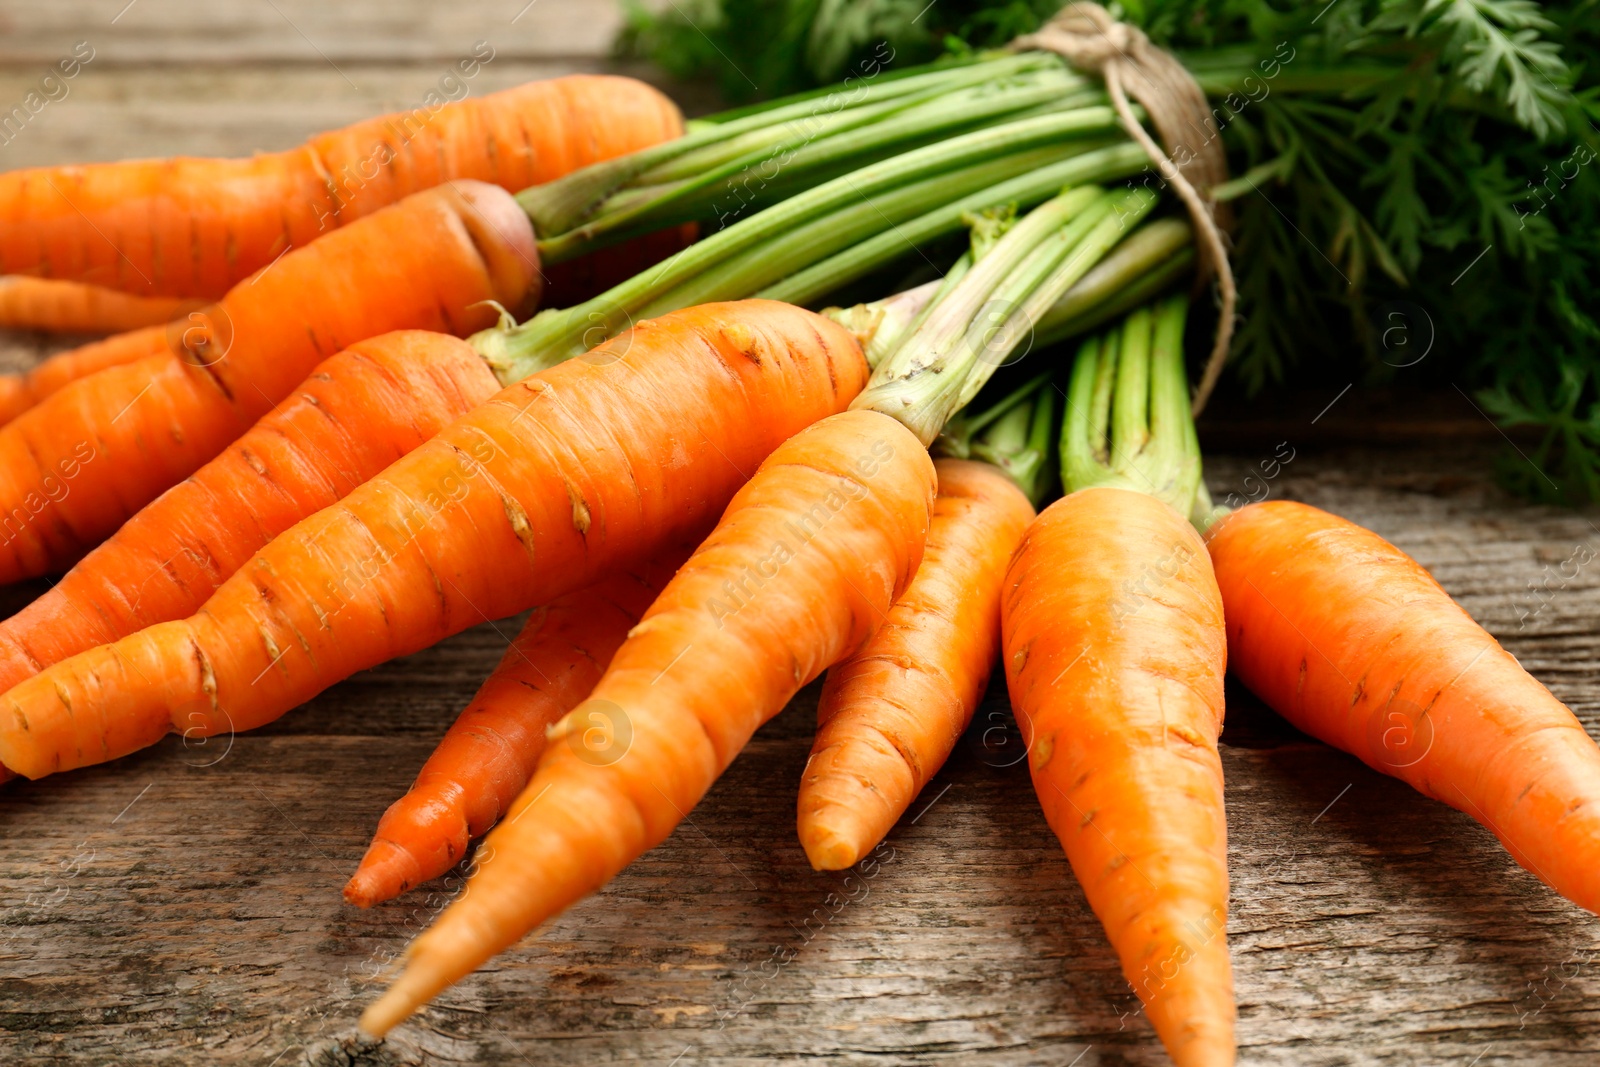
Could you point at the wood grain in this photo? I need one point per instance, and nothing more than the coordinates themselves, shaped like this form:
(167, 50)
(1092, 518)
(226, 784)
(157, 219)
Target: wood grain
(202, 923)
(179, 33)
(182, 906)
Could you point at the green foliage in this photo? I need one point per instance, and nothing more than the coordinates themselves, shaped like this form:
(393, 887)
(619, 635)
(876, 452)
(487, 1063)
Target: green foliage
(1444, 154)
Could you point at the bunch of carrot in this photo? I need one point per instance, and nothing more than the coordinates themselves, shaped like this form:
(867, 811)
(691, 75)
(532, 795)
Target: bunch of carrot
(725, 497)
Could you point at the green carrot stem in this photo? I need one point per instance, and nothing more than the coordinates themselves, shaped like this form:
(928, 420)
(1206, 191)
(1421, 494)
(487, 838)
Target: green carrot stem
(799, 154)
(845, 231)
(1033, 186)
(1128, 423)
(1015, 434)
(872, 74)
(964, 429)
(556, 334)
(878, 325)
(1019, 442)
(916, 383)
(755, 179)
(558, 206)
(1143, 265)
(986, 227)
(842, 112)
(886, 341)
(894, 216)
(1130, 398)
(1128, 208)
(939, 369)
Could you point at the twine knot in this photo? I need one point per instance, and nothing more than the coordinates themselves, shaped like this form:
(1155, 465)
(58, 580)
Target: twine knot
(1090, 39)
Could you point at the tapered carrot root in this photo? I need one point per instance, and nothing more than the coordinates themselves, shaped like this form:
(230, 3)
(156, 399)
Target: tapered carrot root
(891, 714)
(491, 750)
(1355, 643)
(1114, 654)
(358, 412)
(803, 565)
(54, 306)
(544, 489)
(19, 392)
(197, 227)
(77, 465)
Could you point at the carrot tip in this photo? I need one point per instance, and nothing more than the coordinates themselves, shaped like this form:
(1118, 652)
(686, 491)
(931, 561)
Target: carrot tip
(399, 1002)
(828, 850)
(361, 891)
(386, 871)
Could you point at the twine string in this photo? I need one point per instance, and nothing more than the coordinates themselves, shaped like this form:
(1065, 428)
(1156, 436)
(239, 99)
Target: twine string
(1089, 38)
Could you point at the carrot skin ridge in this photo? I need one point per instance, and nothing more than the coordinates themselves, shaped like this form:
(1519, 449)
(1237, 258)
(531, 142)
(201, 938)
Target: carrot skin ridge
(90, 455)
(353, 416)
(850, 499)
(195, 227)
(538, 492)
(19, 392)
(489, 753)
(1355, 643)
(890, 715)
(29, 303)
(194, 322)
(1114, 649)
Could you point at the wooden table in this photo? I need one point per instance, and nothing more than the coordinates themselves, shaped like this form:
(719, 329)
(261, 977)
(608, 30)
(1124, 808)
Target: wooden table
(181, 906)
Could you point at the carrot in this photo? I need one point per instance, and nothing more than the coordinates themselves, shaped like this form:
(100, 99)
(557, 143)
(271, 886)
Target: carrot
(71, 307)
(78, 464)
(491, 750)
(1114, 650)
(355, 414)
(19, 392)
(197, 227)
(540, 491)
(890, 717)
(189, 333)
(891, 714)
(1354, 642)
(799, 571)
(1120, 703)
(760, 617)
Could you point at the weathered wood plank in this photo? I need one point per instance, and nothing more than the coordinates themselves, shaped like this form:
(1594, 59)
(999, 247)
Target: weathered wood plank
(181, 906)
(1369, 925)
(192, 33)
(112, 113)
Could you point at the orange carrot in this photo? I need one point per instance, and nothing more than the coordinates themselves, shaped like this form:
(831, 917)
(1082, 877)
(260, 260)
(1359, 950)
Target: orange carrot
(19, 392)
(490, 752)
(542, 490)
(798, 573)
(891, 714)
(356, 413)
(1354, 642)
(191, 332)
(75, 466)
(1114, 654)
(1114, 648)
(72, 307)
(197, 227)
